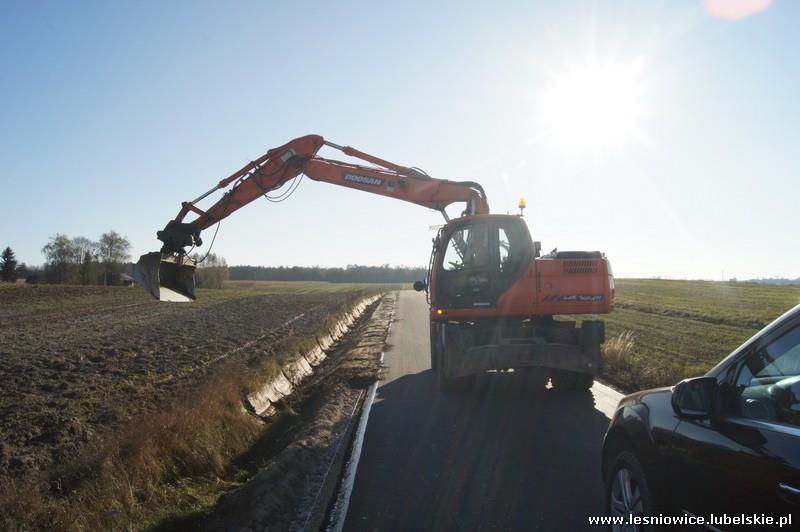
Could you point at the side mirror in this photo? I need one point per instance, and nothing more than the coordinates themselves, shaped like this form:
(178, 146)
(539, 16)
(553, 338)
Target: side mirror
(694, 398)
(420, 286)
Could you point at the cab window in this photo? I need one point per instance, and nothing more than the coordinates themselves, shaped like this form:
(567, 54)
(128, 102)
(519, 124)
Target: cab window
(513, 249)
(504, 244)
(468, 247)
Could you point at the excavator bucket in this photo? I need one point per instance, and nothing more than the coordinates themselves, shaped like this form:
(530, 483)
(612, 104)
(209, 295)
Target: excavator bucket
(166, 277)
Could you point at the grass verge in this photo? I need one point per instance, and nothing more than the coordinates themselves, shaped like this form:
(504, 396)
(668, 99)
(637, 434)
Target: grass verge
(663, 331)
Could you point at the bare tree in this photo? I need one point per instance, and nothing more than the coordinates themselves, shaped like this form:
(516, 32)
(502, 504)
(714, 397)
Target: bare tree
(22, 270)
(60, 266)
(81, 246)
(85, 258)
(212, 272)
(113, 250)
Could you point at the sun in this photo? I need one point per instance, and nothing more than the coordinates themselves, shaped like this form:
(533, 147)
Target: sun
(594, 107)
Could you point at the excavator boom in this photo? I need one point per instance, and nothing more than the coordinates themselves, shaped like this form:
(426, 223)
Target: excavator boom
(169, 274)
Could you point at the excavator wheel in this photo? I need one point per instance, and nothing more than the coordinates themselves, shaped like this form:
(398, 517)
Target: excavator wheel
(457, 342)
(583, 381)
(572, 381)
(434, 348)
(453, 384)
(534, 378)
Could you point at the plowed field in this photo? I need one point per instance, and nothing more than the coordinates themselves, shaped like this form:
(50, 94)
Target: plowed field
(76, 362)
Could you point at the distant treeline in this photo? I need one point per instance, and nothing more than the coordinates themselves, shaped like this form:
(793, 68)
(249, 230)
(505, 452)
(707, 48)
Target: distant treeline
(77, 260)
(353, 273)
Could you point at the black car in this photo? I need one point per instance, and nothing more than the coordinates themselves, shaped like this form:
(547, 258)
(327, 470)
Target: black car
(726, 444)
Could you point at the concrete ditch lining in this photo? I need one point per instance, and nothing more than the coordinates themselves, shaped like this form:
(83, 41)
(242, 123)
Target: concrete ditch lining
(333, 493)
(294, 489)
(264, 401)
(341, 501)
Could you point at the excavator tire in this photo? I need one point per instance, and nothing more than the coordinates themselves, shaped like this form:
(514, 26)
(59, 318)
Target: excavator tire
(457, 343)
(534, 378)
(434, 348)
(583, 381)
(449, 385)
(572, 381)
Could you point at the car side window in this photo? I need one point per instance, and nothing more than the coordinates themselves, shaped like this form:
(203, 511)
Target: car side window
(768, 383)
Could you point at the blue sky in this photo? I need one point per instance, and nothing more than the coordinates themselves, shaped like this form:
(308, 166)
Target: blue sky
(113, 113)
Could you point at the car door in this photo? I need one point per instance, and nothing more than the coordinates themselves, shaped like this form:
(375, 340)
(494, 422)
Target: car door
(762, 414)
(700, 468)
(746, 457)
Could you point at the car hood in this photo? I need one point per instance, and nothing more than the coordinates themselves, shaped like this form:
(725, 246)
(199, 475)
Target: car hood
(648, 397)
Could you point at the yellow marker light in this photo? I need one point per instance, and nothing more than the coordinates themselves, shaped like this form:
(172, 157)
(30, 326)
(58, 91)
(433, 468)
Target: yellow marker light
(439, 311)
(522, 203)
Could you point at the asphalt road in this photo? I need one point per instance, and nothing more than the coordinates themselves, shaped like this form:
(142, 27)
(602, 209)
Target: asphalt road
(500, 457)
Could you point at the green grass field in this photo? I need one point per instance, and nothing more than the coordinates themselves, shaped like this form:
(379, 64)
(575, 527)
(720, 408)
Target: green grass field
(678, 329)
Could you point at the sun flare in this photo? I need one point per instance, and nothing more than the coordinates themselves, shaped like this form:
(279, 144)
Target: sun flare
(594, 107)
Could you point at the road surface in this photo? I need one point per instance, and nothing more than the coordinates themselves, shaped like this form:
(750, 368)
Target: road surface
(500, 457)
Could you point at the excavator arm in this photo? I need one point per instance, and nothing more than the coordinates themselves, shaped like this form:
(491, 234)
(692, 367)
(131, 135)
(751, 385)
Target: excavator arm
(169, 275)
(285, 163)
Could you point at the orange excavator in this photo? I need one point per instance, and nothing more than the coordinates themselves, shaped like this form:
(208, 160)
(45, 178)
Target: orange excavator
(493, 295)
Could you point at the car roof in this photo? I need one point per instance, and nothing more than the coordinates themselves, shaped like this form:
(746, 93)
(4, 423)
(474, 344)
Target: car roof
(788, 316)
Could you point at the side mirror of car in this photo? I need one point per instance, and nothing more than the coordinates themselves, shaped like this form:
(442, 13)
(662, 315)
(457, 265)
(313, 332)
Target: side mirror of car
(420, 286)
(694, 398)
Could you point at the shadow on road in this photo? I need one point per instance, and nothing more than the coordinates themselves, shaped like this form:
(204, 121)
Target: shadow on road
(499, 456)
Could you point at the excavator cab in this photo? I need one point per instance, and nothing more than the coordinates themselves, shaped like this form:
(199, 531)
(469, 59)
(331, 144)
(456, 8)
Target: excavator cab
(478, 258)
(166, 277)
